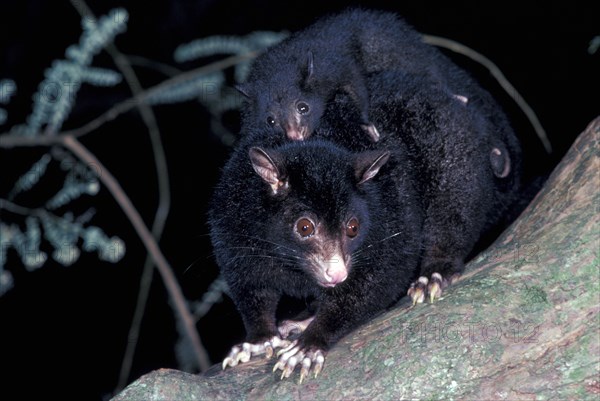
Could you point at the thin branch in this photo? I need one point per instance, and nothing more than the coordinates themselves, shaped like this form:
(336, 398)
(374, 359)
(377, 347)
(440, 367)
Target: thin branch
(160, 217)
(163, 86)
(152, 247)
(496, 73)
(68, 139)
(14, 208)
(83, 9)
(165, 69)
(9, 141)
(22, 210)
(164, 201)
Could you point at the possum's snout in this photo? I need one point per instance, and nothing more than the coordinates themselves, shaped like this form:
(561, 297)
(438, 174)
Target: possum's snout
(296, 133)
(332, 271)
(295, 128)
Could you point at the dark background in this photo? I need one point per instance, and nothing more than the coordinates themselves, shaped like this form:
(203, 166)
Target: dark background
(63, 330)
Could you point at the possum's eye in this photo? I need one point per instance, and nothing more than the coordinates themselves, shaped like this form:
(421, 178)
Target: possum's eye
(302, 108)
(352, 228)
(270, 120)
(305, 228)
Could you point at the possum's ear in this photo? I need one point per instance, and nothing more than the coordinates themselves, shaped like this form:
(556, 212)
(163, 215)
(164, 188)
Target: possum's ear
(463, 99)
(244, 89)
(309, 66)
(268, 168)
(367, 165)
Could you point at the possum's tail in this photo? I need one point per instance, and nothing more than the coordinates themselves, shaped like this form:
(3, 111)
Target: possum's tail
(496, 73)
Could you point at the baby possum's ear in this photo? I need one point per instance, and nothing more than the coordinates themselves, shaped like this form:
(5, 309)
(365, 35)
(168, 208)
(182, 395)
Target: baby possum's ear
(367, 165)
(244, 89)
(308, 73)
(269, 168)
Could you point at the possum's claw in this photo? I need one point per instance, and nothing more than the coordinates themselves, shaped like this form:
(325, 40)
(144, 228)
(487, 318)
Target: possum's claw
(416, 291)
(292, 355)
(243, 352)
(435, 287)
(432, 287)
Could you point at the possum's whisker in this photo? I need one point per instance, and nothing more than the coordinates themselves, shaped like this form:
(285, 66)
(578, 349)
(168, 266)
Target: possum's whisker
(266, 252)
(248, 256)
(191, 265)
(385, 239)
(266, 241)
(364, 256)
(273, 254)
(377, 242)
(259, 249)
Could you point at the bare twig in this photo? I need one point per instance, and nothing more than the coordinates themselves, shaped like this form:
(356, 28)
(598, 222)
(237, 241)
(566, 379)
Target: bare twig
(22, 210)
(9, 141)
(163, 207)
(69, 140)
(152, 247)
(163, 68)
(496, 73)
(160, 217)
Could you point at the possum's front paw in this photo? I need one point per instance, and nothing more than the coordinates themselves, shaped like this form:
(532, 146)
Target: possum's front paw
(243, 352)
(429, 287)
(310, 358)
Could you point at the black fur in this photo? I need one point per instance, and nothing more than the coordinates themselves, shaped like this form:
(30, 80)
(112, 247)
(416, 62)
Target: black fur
(442, 191)
(438, 193)
(263, 258)
(451, 146)
(334, 55)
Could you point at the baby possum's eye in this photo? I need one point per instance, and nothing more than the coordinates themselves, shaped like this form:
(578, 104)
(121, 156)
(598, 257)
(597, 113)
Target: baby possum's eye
(305, 228)
(270, 120)
(352, 227)
(302, 108)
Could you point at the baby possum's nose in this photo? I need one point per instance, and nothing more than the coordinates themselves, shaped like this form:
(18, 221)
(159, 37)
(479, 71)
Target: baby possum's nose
(295, 130)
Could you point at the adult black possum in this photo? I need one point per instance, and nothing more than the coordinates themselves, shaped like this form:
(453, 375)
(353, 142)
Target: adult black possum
(353, 225)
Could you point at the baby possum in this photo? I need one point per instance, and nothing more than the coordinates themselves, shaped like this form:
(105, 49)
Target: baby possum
(290, 84)
(358, 230)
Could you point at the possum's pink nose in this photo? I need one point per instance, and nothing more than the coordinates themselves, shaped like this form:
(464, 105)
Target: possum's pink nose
(294, 134)
(336, 277)
(335, 273)
(295, 131)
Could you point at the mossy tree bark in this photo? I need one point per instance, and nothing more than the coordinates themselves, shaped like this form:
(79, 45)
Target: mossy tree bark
(522, 323)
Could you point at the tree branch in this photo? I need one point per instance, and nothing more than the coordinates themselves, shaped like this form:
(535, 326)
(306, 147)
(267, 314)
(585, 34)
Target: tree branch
(152, 247)
(502, 80)
(164, 200)
(10, 141)
(160, 217)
